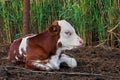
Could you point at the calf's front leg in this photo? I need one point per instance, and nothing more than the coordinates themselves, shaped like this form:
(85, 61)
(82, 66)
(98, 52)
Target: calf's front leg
(71, 62)
(54, 60)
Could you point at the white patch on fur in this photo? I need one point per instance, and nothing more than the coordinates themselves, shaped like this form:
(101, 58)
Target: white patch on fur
(46, 66)
(37, 64)
(24, 55)
(71, 62)
(54, 61)
(68, 36)
(23, 44)
(16, 58)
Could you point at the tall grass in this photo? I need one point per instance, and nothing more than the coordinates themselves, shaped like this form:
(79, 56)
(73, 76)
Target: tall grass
(11, 14)
(96, 21)
(5, 15)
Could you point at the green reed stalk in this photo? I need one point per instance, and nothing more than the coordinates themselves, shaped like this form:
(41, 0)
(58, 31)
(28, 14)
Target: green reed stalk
(4, 13)
(92, 19)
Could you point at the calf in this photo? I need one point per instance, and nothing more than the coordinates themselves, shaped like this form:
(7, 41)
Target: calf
(43, 51)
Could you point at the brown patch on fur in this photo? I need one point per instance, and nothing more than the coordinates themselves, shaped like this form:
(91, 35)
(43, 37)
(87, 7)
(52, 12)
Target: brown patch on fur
(39, 47)
(59, 45)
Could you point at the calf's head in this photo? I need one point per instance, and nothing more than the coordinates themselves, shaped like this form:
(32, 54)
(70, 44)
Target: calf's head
(68, 37)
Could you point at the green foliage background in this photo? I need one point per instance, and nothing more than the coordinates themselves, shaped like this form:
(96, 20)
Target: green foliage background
(96, 21)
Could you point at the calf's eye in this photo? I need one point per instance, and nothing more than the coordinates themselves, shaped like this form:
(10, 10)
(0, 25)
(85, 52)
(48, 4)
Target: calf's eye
(68, 33)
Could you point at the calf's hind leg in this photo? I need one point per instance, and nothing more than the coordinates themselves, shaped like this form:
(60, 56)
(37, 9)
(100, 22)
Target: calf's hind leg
(38, 65)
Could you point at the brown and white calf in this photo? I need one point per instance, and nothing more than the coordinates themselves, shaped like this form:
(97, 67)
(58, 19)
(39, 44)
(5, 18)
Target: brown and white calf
(43, 51)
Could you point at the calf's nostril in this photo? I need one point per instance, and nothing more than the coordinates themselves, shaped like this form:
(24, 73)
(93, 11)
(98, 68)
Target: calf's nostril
(81, 42)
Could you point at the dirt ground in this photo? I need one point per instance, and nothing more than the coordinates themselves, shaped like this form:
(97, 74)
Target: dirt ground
(94, 63)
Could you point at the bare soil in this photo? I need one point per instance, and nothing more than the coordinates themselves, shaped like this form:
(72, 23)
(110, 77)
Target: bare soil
(94, 63)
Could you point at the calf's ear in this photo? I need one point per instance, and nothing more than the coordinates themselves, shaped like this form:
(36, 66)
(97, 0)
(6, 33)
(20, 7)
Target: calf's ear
(54, 29)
